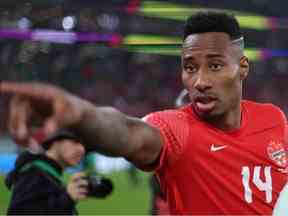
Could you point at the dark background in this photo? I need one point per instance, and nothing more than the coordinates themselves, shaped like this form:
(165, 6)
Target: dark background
(134, 82)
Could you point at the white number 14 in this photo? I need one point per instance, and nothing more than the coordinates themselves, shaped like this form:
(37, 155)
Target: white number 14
(261, 185)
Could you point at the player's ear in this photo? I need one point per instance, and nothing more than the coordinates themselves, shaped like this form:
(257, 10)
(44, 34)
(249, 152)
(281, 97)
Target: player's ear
(244, 67)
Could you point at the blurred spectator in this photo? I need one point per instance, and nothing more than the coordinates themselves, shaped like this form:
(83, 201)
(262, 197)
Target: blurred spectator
(37, 183)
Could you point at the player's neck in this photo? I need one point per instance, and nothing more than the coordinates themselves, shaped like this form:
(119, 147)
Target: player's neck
(229, 121)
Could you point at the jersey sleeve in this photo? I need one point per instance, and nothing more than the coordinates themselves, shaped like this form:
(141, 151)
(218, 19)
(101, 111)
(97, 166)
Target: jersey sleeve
(283, 119)
(174, 135)
(286, 143)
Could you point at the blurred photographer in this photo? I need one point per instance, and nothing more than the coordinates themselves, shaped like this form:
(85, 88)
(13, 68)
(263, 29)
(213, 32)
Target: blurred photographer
(36, 182)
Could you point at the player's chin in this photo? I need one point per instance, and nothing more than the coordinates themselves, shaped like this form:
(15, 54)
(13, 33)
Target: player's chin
(206, 114)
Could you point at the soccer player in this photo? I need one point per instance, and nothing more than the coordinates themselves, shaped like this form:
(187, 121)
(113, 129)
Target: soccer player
(217, 155)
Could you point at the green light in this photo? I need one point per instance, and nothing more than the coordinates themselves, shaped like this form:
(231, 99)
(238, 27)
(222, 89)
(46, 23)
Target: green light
(253, 22)
(180, 12)
(163, 45)
(151, 39)
(253, 54)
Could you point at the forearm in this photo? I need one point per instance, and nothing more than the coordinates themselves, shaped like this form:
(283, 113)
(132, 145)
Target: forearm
(110, 132)
(105, 130)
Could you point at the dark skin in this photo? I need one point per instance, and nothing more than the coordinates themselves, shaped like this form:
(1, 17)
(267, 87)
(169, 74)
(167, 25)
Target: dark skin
(213, 70)
(111, 132)
(104, 129)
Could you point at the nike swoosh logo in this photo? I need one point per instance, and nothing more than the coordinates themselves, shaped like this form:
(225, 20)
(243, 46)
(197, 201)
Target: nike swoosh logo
(217, 148)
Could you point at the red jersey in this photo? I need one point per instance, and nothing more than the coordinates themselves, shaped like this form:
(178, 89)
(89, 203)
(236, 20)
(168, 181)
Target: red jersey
(204, 170)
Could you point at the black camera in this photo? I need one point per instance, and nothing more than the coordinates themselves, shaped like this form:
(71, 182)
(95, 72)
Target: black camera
(98, 186)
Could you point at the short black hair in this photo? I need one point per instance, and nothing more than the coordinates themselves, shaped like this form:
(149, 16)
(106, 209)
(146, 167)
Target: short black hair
(59, 135)
(211, 21)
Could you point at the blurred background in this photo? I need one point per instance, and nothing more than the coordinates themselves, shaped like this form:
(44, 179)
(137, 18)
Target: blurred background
(125, 53)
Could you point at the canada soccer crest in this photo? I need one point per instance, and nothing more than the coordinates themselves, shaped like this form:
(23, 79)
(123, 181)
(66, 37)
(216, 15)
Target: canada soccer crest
(278, 154)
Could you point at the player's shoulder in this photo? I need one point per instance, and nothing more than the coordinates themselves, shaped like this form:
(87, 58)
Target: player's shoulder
(184, 113)
(266, 113)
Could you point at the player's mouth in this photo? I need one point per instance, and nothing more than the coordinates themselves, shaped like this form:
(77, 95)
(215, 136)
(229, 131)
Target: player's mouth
(205, 104)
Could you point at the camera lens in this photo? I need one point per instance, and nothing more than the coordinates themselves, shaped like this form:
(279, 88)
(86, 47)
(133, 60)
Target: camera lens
(98, 186)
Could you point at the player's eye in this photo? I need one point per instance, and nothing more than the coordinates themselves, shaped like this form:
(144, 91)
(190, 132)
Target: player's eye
(190, 69)
(216, 67)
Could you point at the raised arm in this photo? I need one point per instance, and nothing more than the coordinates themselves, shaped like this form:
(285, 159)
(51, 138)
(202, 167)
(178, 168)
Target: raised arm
(111, 132)
(104, 129)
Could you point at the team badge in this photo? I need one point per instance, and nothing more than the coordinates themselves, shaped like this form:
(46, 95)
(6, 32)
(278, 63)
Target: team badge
(278, 154)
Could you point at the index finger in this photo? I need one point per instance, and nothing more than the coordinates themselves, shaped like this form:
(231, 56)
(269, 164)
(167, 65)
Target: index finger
(32, 89)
